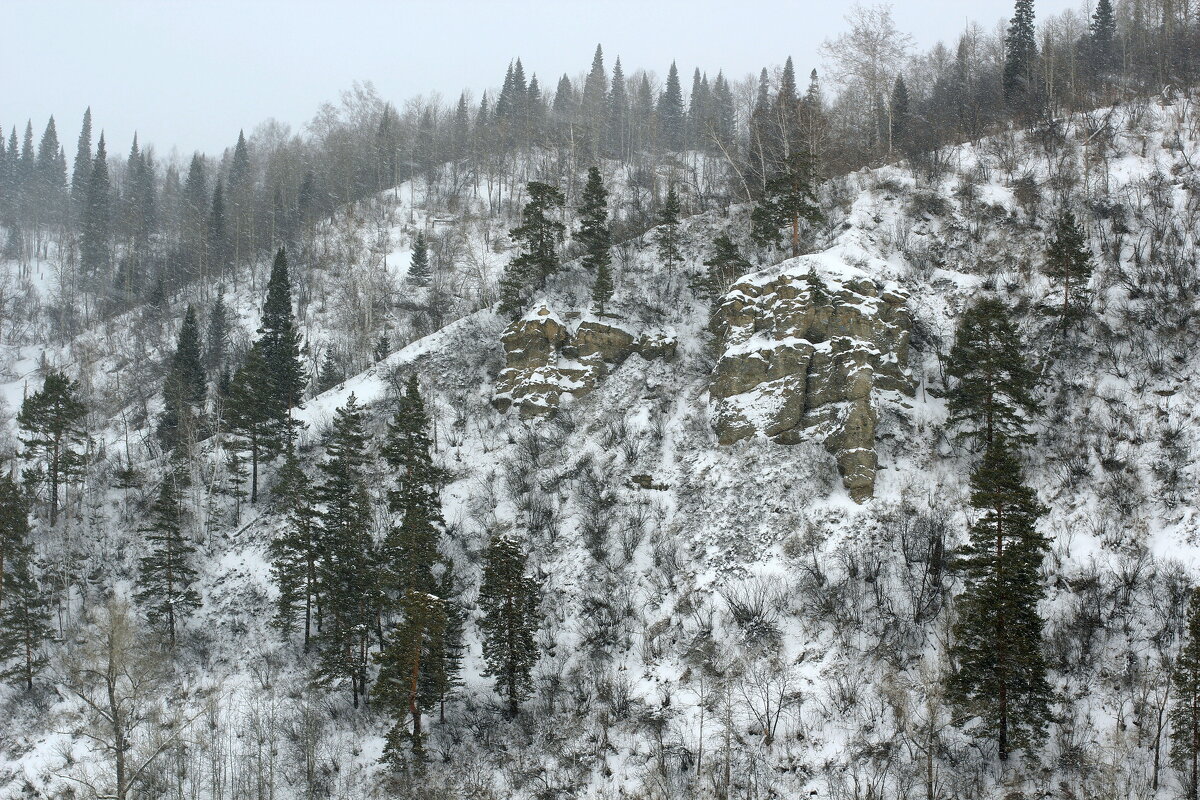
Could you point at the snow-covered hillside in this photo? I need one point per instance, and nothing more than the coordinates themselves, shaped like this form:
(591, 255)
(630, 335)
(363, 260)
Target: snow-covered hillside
(719, 620)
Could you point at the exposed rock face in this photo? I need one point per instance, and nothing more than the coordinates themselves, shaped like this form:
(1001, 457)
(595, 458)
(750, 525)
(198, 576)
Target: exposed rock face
(802, 355)
(546, 358)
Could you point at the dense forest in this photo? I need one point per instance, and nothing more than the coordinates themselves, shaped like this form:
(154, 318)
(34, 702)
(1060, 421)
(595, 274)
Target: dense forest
(606, 436)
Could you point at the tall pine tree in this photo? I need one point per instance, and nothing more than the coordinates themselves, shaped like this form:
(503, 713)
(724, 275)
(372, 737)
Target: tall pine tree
(509, 601)
(166, 576)
(1001, 671)
(52, 431)
(538, 237)
(1068, 259)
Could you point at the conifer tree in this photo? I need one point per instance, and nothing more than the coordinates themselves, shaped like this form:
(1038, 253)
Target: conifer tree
(1102, 39)
(618, 114)
(81, 171)
(51, 421)
(248, 413)
(666, 237)
(295, 552)
(725, 265)
(184, 387)
(217, 336)
(1001, 671)
(1020, 56)
(94, 248)
(788, 199)
(24, 608)
(509, 601)
(538, 237)
(410, 550)
(1185, 710)
(14, 524)
(672, 123)
(596, 238)
(595, 105)
(418, 270)
(166, 576)
(412, 676)
(279, 341)
(993, 393)
(1068, 259)
(330, 374)
(347, 578)
(898, 113)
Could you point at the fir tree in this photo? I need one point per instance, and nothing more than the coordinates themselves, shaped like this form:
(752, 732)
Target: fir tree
(248, 413)
(14, 524)
(217, 336)
(788, 199)
(596, 238)
(725, 265)
(330, 374)
(94, 248)
(1001, 670)
(418, 270)
(672, 123)
(295, 552)
(1068, 259)
(347, 579)
(81, 171)
(24, 607)
(509, 601)
(1020, 55)
(993, 393)
(51, 421)
(1185, 710)
(1102, 39)
(899, 111)
(184, 388)
(166, 576)
(538, 237)
(666, 237)
(279, 341)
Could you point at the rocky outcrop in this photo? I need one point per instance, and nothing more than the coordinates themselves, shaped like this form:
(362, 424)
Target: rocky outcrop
(547, 358)
(805, 347)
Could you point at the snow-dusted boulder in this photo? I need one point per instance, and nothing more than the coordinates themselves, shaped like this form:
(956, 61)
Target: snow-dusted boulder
(805, 345)
(546, 357)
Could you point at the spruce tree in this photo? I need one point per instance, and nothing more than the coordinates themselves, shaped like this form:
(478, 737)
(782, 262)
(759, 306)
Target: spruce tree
(95, 246)
(788, 199)
(1102, 39)
(81, 171)
(509, 601)
(672, 123)
(24, 616)
(725, 265)
(349, 584)
(296, 552)
(1000, 677)
(993, 393)
(249, 413)
(418, 270)
(184, 387)
(279, 341)
(1068, 259)
(217, 336)
(538, 237)
(1185, 709)
(14, 524)
(596, 238)
(410, 550)
(1020, 56)
(51, 421)
(330, 374)
(899, 111)
(666, 236)
(166, 576)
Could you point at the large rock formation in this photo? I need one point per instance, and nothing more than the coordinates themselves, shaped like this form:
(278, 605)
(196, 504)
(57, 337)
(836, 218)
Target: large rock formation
(547, 357)
(803, 351)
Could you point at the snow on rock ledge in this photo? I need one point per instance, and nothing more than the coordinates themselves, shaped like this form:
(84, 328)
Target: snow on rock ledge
(804, 346)
(547, 357)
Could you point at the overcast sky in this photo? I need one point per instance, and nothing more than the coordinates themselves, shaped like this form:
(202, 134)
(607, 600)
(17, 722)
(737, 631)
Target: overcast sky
(188, 75)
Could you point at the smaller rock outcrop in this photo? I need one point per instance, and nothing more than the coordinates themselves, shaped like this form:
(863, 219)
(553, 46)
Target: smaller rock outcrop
(547, 357)
(802, 354)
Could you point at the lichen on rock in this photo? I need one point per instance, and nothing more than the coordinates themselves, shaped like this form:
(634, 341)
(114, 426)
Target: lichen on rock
(802, 355)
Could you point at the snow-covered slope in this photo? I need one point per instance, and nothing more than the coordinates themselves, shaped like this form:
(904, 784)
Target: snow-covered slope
(734, 619)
